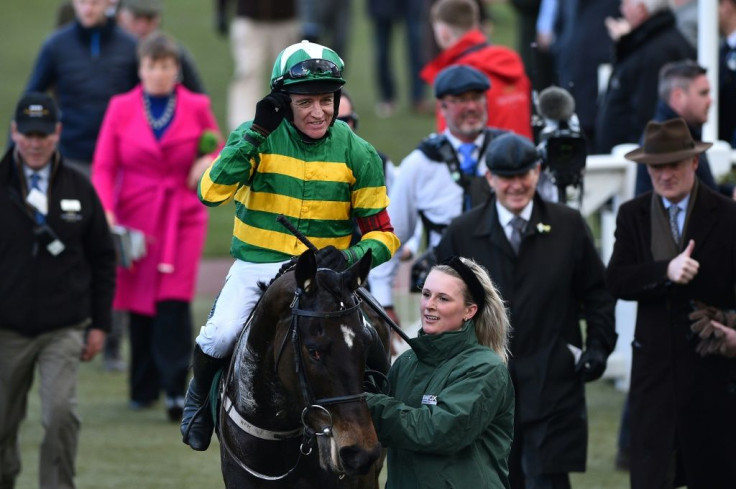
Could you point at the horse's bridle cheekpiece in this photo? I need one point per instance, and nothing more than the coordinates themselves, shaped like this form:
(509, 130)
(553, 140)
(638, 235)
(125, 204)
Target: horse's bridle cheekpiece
(296, 313)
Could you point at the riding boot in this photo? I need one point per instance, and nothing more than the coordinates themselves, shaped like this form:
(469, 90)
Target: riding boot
(197, 424)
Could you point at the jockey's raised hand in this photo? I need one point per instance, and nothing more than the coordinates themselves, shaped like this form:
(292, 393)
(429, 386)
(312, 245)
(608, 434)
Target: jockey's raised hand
(270, 111)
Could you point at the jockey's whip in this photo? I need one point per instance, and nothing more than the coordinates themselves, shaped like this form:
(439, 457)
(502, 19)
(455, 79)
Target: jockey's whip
(362, 293)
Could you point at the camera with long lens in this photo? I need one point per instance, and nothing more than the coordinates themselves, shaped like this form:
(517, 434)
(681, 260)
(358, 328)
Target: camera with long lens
(560, 141)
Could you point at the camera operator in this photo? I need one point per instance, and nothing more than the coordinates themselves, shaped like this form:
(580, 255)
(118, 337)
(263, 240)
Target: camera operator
(561, 144)
(58, 265)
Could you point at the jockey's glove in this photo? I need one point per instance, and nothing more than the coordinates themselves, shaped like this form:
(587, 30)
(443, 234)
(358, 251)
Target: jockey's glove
(270, 111)
(332, 258)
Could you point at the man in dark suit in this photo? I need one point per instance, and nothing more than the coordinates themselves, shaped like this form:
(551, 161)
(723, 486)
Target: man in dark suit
(673, 246)
(541, 257)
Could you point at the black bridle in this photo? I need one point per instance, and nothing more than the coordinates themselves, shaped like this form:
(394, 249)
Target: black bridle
(308, 434)
(296, 342)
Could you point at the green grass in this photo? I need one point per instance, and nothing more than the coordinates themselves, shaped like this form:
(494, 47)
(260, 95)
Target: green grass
(120, 448)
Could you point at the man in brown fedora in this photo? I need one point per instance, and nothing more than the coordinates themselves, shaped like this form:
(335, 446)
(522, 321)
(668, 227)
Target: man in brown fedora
(676, 247)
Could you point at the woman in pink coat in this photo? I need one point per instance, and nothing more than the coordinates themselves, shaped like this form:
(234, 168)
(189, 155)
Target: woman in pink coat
(146, 166)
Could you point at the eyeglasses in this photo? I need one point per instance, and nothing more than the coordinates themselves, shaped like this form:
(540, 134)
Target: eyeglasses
(309, 67)
(468, 97)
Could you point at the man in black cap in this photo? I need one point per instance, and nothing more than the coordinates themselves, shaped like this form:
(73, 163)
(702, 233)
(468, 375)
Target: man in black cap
(675, 246)
(441, 178)
(542, 259)
(58, 278)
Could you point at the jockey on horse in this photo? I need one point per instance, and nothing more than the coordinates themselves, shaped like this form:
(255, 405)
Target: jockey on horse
(292, 159)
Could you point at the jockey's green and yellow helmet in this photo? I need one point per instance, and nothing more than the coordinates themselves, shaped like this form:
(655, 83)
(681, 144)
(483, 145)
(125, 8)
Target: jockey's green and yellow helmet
(307, 67)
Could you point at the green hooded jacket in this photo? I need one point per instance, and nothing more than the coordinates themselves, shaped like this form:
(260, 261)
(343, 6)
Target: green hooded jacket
(448, 420)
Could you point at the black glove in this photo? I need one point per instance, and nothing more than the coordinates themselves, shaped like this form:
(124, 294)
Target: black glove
(332, 258)
(221, 23)
(592, 363)
(270, 111)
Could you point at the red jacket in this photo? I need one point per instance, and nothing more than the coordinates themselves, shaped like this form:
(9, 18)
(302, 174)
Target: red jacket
(509, 99)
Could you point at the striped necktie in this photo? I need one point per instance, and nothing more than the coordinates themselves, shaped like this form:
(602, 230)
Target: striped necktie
(518, 224)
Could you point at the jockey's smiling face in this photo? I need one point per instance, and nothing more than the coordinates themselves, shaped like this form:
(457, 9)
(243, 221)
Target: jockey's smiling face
(313, 113)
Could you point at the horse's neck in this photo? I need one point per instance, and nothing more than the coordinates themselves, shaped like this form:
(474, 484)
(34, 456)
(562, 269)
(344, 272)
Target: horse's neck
(256, 390)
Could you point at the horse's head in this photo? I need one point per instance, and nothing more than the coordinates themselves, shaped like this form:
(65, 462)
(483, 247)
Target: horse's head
(325, 366)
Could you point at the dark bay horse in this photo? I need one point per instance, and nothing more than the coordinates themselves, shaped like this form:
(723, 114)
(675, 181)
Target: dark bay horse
(293, 413)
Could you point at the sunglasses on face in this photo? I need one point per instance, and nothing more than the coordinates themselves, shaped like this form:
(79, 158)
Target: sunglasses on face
(349, 119)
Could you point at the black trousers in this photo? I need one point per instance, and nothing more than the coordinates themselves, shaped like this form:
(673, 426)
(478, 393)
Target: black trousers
(161, 350)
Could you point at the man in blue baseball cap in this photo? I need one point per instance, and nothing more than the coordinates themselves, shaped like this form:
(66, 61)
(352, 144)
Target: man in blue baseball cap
(441, 178)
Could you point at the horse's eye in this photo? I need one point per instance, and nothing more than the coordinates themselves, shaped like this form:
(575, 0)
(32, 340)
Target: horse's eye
(314, 353)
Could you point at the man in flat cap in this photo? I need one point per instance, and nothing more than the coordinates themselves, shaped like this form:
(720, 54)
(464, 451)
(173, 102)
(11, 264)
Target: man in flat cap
(542, 259)
(441, 178)
(675, 249)
(58, 279)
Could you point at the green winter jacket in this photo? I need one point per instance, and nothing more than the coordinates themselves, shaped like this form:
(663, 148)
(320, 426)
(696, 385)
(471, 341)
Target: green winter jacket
(448, 420)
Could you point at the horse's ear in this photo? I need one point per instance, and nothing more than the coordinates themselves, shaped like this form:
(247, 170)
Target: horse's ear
(306, 269)
(358, 273)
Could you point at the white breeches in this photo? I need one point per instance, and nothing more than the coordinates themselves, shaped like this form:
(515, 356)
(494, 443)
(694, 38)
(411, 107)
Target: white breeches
(233, 306)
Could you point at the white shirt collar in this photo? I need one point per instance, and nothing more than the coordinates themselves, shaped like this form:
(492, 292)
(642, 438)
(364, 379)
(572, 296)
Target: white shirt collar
(682, 204)
(455, 142)
(44, 173)
(505, 216)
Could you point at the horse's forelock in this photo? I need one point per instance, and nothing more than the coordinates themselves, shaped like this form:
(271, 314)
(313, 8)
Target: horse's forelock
(334, 283)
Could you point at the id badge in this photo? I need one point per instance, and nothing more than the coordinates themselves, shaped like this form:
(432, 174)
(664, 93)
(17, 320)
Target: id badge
(38, 201)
